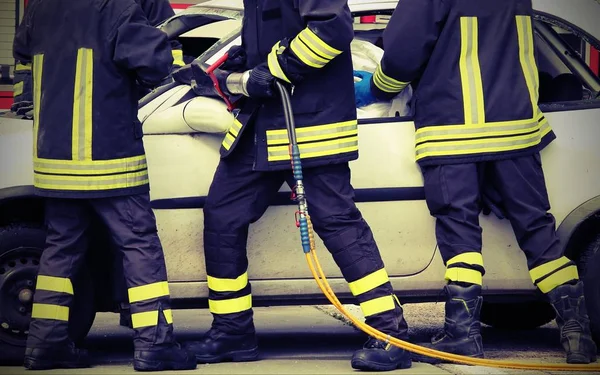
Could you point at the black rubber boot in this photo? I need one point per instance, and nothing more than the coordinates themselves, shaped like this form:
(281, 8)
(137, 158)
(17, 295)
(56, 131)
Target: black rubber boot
(462, 328)
(573, 321)
(172, 357)
(67, 356)
(377, 355)
(217, 346)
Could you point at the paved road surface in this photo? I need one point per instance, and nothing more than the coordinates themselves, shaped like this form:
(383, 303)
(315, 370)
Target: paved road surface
(308, 340)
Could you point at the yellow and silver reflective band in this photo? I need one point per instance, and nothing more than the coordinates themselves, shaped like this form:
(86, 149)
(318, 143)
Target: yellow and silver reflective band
(91, 183)
(230, 306)
(90, 167)
(148, 292)
(232, 133)
(484, 145)
(491, 129)
(369, 282)
(54, 284)
(82, 105)
(377, 305)
(315, 141)
(23, 67)
(315, 149)
(17, 89)
(228, 285)
(386, 83)
(314, 133)
(473, 258)
(554, 273)
(150, 318)
(527, 58)
(49, 311)
(273, 63)
(178, 57)
(312, 50)
(465, 275)
(470, 72)
(38, 66)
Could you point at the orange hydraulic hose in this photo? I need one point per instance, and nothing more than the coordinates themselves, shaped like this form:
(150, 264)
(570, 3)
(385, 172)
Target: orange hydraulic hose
(323, 284)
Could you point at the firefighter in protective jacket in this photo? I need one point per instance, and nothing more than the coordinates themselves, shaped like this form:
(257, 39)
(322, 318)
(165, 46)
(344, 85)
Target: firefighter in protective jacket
(88, 156)
(305, 44)
(478, 124)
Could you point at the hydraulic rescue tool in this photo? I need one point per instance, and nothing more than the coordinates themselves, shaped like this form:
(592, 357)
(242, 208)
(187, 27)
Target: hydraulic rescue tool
(308, 245)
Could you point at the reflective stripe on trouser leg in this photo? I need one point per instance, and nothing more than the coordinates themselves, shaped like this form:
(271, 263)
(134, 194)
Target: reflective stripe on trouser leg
(555, 273)
(226, 223)
(347, 236)
(60, 262)
(132, 226)
(465, 268)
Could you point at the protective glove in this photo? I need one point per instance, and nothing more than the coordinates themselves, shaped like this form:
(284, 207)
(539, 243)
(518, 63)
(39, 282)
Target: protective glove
(362, 89)
(261, 82)
(236, 59)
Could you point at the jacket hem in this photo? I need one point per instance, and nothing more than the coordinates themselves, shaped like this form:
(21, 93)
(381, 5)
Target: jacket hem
(70, 194)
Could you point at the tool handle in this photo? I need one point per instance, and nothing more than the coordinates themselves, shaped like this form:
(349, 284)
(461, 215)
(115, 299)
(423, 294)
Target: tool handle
(210, 71)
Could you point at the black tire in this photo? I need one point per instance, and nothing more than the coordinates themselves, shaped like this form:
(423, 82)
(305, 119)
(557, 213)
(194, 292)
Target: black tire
(517, 316)
(588, 264)
(21, 246)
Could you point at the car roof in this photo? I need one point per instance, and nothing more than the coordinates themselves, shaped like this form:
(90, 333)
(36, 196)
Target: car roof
(581, 13)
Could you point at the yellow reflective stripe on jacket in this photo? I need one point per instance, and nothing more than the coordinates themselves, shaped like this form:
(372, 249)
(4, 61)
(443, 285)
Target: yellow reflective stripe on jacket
(54, 284)
(23, 67)
(369, 282)
(314, 133)
(90, 183)
(486, 145)
(470, 72)
(150, 318)
(17, 89)
(315, 149)
(312, 50)
(273, 63)
(178, 57)
(230, 306)
(90, 167)
(468, 258)
(231, 135)
(38, 65)
(527, 58)
(49, 311)
(227, 285)
(82, 105)
(377, 305)
(386, 83)
(149, 291)
(465, 275)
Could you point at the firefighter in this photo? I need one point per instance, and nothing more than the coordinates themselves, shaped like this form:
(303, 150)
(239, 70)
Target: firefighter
(89, 158)
(478, 125)
(304, 44)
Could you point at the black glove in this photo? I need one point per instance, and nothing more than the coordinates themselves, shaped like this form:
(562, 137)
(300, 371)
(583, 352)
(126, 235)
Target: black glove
(261, 82)
(236, 59)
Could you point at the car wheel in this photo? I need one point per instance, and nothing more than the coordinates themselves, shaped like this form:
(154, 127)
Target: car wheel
(588, 264)
(21, 246)
(525, 315)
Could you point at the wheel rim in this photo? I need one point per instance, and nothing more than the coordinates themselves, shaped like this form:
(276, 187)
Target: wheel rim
(18, 273)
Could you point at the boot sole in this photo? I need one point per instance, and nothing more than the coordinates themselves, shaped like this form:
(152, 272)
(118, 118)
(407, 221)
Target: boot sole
(580, 359)
(360, 364)
(32, 363)
(235, 356)
(142, 365)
